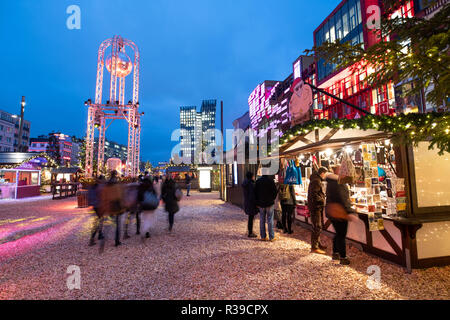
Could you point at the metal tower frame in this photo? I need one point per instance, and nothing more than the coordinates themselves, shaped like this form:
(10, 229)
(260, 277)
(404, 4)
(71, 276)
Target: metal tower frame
(115, 108)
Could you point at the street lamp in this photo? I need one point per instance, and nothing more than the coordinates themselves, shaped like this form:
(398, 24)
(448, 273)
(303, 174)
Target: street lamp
(22, 110)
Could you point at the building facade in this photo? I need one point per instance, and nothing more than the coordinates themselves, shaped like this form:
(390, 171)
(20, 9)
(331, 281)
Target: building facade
(9, 133)
(57, 145)
(197, 129)
(346, 23)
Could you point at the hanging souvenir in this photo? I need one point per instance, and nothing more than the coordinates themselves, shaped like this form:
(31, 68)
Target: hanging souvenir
(291, 176)
(347, 172)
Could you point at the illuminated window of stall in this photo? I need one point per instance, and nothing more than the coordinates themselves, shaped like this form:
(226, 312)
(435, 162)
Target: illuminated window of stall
(7, 177)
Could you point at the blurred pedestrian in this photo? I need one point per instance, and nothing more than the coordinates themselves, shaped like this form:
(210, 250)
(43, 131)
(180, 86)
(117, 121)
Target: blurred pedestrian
(148, 203)
(316, 204)
(170, 196)
(338, 206)
(250, 208)
(265, 193)
(111, 203)
(131, 206)
(94, 201)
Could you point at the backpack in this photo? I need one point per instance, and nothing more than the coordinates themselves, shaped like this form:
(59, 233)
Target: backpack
(284, 193)
(150, 201)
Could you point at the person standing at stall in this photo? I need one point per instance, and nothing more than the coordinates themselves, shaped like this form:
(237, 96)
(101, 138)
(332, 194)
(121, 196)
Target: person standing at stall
(338, 207)
(316, 204)
(265, 194)
(250, 208)
(288, 202)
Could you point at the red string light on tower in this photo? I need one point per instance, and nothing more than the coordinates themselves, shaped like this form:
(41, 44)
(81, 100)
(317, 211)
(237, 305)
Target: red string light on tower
(120, 65)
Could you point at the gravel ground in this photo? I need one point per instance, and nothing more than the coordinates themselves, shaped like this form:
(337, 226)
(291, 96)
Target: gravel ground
(206, 256)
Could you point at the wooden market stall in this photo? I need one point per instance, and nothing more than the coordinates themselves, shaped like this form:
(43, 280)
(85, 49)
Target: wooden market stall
(402, 192)
(20, 174)
(64, 181)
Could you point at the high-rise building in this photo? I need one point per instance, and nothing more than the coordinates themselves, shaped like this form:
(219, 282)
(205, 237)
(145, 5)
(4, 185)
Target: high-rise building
(197, 129)
(9, 132)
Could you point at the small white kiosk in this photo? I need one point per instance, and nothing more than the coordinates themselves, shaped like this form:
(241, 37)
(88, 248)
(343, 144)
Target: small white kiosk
(205, 179)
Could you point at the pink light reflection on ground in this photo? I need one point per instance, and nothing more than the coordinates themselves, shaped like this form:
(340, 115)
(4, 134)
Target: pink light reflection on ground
(31, 242)
(28, 226)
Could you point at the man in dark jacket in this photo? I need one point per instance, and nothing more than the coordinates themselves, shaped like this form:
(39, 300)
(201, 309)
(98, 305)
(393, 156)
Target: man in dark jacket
(250, 202)
(188, 184)
(316, 203)
(339, 193)
(266, 193)
(168, 191)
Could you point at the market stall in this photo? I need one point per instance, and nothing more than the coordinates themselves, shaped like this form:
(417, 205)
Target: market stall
(398, 190)
(20, 175)
(178, 173)
(64, 181)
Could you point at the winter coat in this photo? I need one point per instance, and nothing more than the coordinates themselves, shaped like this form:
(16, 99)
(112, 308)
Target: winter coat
(291, 200)
(144, 187)
(265, 192)
(168, 190)
(316, 195)
(338, 193)
(249, 197)
(111, 200)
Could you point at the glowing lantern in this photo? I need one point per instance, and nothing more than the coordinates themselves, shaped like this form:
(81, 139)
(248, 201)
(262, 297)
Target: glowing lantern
(124, 64)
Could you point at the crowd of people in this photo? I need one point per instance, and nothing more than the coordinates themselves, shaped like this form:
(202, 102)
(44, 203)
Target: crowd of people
(114, 200)
(264, 197)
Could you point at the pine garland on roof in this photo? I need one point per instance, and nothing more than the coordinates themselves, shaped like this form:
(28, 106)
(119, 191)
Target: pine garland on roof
(408, 128)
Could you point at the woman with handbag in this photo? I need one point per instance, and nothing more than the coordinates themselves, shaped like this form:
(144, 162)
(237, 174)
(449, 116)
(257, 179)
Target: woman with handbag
(148, 202)
(170, 194)
(338, 207)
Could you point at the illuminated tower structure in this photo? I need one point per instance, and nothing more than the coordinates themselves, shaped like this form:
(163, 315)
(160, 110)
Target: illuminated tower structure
(119, 65)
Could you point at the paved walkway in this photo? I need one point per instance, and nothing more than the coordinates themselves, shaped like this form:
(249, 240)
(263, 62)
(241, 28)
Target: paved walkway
(207, 256)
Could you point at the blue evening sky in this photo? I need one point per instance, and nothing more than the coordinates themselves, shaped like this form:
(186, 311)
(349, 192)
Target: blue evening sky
(190, 50)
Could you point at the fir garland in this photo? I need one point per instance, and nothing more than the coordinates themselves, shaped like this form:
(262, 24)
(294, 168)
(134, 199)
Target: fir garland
(410, 128)
(50, 161)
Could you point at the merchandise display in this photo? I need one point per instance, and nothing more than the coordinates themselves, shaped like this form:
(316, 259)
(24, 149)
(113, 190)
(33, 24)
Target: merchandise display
(369, 171)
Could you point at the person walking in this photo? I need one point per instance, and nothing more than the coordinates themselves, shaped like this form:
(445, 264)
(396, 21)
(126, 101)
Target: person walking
(338, 206)
(265, 194)
(131, 205)
(112, 204)
(188, 183)
(168, 195)
(316, 204)
(94, 201)
(250, 208)
(288, 203)
(148, 202)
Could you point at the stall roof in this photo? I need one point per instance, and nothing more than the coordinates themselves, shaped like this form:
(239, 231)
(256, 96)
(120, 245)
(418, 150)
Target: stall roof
(179, 169)
(71, 170)
(331, 138)
(15, 157)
